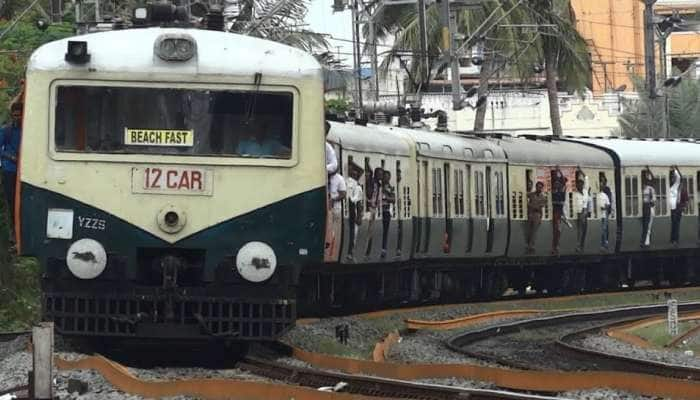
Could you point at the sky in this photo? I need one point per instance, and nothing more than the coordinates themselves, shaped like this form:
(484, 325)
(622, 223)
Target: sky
(322, 19)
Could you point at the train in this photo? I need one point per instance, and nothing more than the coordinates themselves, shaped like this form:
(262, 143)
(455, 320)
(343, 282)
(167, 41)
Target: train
(172, 185)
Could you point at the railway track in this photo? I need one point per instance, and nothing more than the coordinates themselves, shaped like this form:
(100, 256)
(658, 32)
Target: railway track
(373, 386)
(563, 348)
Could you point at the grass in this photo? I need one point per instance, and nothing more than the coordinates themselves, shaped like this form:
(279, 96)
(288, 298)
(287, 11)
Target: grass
(658, 335)
(19, 294)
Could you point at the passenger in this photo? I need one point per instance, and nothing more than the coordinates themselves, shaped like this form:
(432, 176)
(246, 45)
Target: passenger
(337, 191)
(581, 205)
(388, 201)
(331, 159)
(674, 203)
(648, 203)
(558, 200)
(354, 196)
(10, 137)
(251, 144)
(535, 202)
(374, 200)
(605, 204)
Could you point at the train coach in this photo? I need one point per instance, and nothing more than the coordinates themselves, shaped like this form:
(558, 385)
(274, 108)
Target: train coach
(171, 183)
(463, 206)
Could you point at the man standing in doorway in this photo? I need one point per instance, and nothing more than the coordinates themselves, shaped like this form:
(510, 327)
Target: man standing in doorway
(535, 202)
(581, 202)
(337, 191)
(354, 197)
(674, 200)
(605, 204)
(388, 201)
(648, 202)
(10, 137)
(558, 200)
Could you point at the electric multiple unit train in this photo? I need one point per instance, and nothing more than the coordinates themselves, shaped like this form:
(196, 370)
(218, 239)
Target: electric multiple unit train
(172, 185)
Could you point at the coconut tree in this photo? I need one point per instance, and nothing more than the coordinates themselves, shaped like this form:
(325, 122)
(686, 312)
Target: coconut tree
(557, 44)
(564, 52)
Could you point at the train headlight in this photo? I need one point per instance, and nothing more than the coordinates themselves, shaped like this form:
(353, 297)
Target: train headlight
(256, 261)
(175, 47)
(86, 258)
(77, 52)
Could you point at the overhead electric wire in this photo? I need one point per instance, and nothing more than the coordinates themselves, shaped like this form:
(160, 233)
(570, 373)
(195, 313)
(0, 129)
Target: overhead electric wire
(16, 20)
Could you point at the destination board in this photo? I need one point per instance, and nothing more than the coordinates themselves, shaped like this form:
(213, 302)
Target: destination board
(158, 137)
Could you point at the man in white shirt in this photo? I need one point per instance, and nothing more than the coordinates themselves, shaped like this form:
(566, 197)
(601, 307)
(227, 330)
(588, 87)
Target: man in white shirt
(674, 196)
(331, 159)
(337, 191)
(354, 196)
(581, 199)
(648, 202)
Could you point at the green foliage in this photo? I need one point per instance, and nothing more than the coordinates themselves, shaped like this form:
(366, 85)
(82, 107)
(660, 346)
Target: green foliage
(337, 106)
(643, 117)
(15, 49)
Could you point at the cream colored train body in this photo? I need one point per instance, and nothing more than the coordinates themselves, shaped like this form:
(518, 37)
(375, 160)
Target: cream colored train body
(198, 174)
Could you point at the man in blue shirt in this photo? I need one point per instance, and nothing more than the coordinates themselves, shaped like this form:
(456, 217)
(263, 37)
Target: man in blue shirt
(10, 136)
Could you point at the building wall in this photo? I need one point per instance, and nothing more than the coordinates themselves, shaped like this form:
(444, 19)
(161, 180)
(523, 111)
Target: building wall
(614, 31)
(528, 113)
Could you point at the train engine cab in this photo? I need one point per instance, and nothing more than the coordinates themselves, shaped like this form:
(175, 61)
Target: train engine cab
(172, 182)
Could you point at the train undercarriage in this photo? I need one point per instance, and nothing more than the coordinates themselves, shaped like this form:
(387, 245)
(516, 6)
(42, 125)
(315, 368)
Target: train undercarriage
(340, 289)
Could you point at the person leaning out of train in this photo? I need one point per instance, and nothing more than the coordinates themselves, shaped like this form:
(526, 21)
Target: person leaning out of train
(674, 204)
(605, 205)
(535, 203)
(648, 203)
(558, 200)
(10, 137)
(354, 196)
(388, 201)
(337, 191)
(331, 158)
(581, 203)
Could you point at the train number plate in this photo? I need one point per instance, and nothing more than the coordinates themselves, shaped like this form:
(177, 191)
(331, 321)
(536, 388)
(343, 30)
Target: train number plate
(172, 180)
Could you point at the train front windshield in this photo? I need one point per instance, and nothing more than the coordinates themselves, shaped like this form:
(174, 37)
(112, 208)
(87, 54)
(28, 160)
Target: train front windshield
(201, 122)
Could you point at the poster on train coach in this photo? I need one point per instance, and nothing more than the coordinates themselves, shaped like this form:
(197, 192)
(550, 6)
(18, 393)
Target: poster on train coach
(544, 175)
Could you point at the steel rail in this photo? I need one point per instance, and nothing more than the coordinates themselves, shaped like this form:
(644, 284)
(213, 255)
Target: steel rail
(374, 386)
(604, 361)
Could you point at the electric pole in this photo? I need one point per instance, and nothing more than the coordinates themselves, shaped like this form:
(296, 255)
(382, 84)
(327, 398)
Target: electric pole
(649, 62)
(425, 61)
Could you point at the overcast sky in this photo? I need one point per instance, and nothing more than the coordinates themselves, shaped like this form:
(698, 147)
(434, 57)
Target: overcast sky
(322, 19)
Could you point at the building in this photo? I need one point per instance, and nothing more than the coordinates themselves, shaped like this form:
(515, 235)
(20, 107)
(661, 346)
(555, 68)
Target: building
(614, 31)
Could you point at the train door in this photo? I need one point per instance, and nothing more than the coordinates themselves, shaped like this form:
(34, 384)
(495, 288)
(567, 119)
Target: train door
(447, 245)
(489, 211)
(468, 209)
(423, 225)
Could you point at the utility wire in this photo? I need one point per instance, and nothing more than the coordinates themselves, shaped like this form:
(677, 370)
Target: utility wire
(13, 23)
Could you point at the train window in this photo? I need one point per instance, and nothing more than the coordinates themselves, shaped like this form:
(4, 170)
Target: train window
(459, 192)
(479, 200)
(435, 202)
(631, 196)
(183, 122)
(500, 194)
(689, 186)
(439, 190)
(467, 191)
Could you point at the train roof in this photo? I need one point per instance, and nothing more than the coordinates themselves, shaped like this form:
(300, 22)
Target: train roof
(640, 152)
(450, 146)
(368, 139)
(132, 50)
(541, 151)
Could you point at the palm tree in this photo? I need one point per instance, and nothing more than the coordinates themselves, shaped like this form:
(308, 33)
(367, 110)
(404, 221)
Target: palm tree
(558, 44)
(278, 20)
(641, 116)
(565, 53)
